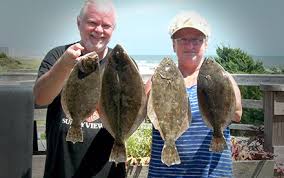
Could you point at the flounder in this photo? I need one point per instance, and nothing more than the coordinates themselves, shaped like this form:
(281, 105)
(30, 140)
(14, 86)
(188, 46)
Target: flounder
(81, 93)
(168, 108)
(122, 105)
(216, 99)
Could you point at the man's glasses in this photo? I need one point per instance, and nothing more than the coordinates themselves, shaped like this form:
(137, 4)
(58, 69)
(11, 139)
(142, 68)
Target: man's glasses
(193, 41)
(96, 25)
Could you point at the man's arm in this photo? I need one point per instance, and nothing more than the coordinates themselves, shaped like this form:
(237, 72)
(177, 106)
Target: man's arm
(49, 85)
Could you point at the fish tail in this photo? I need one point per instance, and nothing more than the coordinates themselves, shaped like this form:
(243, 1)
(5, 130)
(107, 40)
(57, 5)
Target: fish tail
(170, 154)
(74, 134)
(118, 152)
(218, 144)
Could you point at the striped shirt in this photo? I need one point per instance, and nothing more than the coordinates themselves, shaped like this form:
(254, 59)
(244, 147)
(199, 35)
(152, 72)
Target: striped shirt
(193, 148)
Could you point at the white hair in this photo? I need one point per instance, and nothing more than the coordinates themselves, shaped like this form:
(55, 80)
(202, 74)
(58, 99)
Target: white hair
(101, 5)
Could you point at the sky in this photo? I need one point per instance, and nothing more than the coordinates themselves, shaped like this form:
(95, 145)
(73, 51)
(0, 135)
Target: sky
(33, 27)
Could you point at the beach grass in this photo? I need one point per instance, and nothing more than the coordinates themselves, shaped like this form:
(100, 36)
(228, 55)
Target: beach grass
(17, 64)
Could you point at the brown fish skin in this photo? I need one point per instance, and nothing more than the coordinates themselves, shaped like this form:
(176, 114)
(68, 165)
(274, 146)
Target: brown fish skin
(168, 108)
(216, 99)
(80, 94)
(123, 101)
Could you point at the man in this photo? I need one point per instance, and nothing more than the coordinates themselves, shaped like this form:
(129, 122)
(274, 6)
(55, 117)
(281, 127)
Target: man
(96, 23)
(189, 33)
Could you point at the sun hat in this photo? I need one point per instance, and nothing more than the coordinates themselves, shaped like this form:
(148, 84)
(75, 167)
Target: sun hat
(189, 19)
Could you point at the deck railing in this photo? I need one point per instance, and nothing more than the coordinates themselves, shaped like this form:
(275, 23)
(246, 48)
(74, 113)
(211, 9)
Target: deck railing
(272, 104)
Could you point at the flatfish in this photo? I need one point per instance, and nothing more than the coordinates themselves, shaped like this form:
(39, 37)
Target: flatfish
(216, 99)
(168, 108)
(122, 105)
(81, 93)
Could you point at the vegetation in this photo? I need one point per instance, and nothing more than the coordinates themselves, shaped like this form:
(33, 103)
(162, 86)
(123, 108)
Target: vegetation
(17, 64)
(3, 55)
(234, 60)
(139, 143)
(276, 70)
(8, 63)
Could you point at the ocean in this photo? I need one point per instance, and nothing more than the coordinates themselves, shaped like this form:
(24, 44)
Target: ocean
(147, 63)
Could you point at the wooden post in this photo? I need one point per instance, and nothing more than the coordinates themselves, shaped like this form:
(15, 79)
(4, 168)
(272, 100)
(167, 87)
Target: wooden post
(273, 105)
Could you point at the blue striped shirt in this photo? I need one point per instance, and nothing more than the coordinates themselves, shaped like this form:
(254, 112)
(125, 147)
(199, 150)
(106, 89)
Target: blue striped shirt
(193, 147)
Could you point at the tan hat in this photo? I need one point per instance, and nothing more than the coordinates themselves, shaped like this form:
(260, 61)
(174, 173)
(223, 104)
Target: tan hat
(189, 19)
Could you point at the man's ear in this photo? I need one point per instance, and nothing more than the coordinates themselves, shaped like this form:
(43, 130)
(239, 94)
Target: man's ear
(78, 22)
(174, 46)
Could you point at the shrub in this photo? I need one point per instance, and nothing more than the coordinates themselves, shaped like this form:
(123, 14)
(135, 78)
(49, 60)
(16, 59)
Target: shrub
(7, 63)
(234, 60)
(139, 143)
(3, 55)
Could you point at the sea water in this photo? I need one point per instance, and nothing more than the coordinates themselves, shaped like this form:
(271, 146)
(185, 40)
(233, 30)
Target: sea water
(148, 63)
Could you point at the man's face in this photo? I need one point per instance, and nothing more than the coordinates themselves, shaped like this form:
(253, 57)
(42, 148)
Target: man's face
(95, 28)
(189, 44)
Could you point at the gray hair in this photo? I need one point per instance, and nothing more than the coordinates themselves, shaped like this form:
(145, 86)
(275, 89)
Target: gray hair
(101, 5)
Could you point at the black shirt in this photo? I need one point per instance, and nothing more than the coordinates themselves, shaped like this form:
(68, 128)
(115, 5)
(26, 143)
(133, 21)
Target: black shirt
(65, 159)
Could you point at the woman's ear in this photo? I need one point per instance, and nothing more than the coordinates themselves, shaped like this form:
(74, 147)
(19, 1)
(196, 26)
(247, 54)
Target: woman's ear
(206, 44)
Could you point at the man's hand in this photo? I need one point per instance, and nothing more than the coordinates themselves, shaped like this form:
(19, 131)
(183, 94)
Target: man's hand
(49, 85)
(71, 55)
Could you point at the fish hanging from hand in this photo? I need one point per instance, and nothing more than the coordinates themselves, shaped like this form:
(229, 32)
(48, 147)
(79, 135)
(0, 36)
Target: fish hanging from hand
(81, 93)
(168, 108)
(216, 99)
(122, 105)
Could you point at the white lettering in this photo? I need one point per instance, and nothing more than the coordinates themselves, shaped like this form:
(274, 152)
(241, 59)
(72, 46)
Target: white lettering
(98, 125)
(89, 125)
(66, 121)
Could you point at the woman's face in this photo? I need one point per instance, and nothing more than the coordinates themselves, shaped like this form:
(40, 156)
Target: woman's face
(189, 44)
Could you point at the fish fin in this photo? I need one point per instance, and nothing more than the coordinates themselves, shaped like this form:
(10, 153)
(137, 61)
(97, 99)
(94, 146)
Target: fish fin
(150, 111)
(74, 134)
(218, 144)
(170, 154)
(152, 115)
(118, 152)
(104, 119)
(185, 125)
(206, 121)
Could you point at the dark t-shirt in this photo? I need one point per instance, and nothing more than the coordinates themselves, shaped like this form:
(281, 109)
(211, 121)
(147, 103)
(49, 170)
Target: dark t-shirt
(65, 159)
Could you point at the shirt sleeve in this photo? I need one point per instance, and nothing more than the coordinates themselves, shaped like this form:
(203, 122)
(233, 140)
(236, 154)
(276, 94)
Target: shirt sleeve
(50, 58)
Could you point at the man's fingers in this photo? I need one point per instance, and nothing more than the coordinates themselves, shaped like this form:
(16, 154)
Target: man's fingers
(76, 49)
(77, 46)
(77, 53)
(92, 54)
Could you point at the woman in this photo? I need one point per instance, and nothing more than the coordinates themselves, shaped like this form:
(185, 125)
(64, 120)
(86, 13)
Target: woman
(190, 33)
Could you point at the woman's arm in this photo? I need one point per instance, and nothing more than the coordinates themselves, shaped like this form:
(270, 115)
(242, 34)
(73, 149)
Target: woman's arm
(239, 110)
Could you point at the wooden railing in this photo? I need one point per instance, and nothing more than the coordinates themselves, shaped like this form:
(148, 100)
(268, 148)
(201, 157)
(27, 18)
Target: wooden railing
(272, 104)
